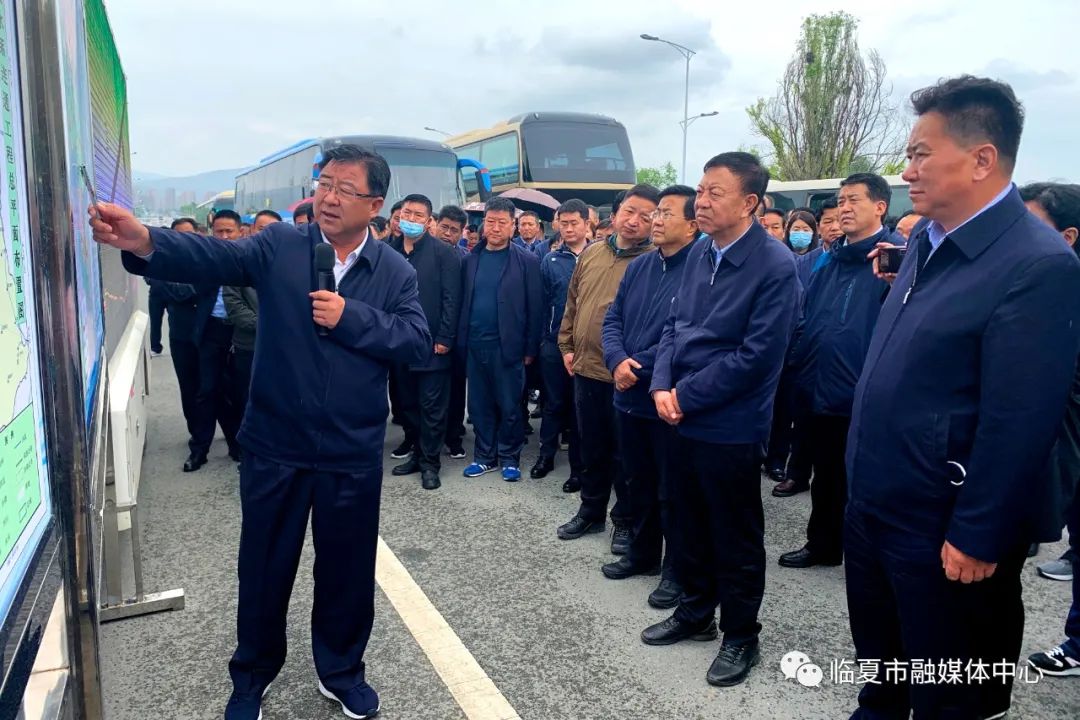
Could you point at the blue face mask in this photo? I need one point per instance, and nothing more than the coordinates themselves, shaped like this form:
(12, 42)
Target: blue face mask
(801, 239)
(410, 228)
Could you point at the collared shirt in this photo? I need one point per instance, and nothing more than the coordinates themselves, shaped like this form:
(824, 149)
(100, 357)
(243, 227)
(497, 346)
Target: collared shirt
(718, 253)
(936, 232)
(219, 307)
(343, 266)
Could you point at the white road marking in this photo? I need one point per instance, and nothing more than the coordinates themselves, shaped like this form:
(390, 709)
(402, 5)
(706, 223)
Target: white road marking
(471, 687)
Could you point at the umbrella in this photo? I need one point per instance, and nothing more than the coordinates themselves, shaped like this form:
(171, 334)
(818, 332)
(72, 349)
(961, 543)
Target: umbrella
(528, 199)
(298, 203)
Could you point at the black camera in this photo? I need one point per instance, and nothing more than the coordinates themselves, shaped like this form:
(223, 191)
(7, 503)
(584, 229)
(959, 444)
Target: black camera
(889, 259)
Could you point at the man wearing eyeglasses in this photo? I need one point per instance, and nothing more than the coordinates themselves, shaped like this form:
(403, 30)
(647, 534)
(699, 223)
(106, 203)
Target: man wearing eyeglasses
(315, 424)
(592, 289)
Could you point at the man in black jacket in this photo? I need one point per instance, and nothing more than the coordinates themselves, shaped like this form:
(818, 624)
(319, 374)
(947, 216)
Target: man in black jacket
(425, 387)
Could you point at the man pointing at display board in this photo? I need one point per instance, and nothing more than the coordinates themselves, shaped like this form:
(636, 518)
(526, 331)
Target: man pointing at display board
(313, 432)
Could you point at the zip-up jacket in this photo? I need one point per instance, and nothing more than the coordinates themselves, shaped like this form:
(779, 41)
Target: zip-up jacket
(842, 305)
(592, 289)
(726, 336)
(556, 269)
(635, 321)
(316, 402)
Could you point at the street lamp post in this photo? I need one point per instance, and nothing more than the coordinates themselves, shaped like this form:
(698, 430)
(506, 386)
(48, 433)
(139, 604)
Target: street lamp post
(686, 53)
(437, 130)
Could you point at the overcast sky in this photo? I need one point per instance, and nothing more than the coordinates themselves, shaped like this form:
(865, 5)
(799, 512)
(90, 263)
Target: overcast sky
(221, 83)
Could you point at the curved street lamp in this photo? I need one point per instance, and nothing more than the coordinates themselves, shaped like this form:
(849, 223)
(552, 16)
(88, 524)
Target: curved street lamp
(686, 53)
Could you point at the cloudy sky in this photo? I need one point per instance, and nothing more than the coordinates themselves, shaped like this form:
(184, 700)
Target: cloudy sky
(221, 83)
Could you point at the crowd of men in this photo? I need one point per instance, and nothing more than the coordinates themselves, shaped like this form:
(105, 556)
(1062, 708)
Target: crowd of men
(700, 336)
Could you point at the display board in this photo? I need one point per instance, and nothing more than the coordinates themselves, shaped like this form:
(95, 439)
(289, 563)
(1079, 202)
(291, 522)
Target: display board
(25, 507)
(112, 163)
(79, 146)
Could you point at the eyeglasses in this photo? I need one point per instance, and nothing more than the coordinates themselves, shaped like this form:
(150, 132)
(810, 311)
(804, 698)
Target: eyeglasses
(664, 215)
(344, 192)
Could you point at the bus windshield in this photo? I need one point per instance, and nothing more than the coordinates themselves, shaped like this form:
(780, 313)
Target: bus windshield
(428, 172)
(565, 151)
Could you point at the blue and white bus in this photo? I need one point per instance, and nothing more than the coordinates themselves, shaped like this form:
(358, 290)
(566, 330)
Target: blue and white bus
(416, 166)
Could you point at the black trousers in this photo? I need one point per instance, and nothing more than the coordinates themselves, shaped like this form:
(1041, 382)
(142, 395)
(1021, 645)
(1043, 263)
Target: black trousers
(780, 436)
(156, 307)
(425, 397)
(455, 413)
(902, 607)
(827, 443)
(185, 358)
(213, 403)
(558, 408)
(800, 464)
(240, 362)
(599, 452)
(643, 448)
(275, 502)
(716, 491)
(394, 390)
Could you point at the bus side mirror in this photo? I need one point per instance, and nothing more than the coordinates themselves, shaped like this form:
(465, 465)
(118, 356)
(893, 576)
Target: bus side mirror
(483, 183)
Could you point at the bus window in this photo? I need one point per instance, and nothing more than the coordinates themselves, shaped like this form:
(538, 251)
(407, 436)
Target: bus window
(576, 152)
(781, 202)
(814, 201)
(434, 174)
(500, 156)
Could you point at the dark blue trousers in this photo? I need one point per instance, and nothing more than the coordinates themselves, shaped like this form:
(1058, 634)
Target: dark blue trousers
(902, 607)
(495, 405)
(559, 415)
(643, 448)
(275, 501)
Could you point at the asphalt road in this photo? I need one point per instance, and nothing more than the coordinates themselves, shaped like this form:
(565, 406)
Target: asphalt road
(557, 638)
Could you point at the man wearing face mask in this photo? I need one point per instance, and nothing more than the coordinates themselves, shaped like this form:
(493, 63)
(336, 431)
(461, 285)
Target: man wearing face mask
(842, 305)
(425, 387)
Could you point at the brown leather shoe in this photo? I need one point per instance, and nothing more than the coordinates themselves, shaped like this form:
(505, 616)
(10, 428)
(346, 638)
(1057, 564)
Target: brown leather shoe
(790, 487)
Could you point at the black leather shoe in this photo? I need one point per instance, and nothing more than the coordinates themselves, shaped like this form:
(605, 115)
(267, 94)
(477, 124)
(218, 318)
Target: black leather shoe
(402, 451)
(789, 487)
(666, 595)
(409, 467)
(194, 462)
(672, 630)
(572, 484)
(234, 452)
(624, 568)
(803, 558)
(733, 663)
(543, 466)
(536, 414)
(620, 540)
(429, 479)
(579, 526)
(776, 474)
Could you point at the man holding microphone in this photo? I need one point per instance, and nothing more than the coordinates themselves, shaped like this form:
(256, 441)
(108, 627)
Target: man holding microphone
(313, 432)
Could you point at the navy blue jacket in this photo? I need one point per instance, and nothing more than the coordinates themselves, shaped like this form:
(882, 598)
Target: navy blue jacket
(520, 303)
(635, 321)
(841, 310)
(804, 264)
(970, 366)
(725, 339)
(556, 269)
(315, 402)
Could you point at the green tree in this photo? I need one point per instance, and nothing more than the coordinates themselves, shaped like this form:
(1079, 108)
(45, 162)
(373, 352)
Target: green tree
(188, 210)
(658, 177)
(833, 110)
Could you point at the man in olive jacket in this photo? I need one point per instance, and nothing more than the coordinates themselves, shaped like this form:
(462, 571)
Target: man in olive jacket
(592, 289)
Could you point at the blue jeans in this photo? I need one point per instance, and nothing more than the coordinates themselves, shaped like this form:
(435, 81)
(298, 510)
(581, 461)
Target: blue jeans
(495, 405)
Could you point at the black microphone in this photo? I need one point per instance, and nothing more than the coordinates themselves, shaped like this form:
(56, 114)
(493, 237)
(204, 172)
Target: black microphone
(324, 275)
